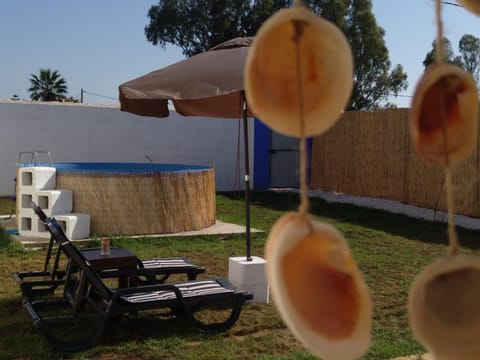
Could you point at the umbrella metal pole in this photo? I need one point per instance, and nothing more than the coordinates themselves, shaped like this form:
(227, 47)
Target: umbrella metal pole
(247, 175)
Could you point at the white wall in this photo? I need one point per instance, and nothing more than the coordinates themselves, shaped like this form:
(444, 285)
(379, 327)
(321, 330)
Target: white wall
(87, 133)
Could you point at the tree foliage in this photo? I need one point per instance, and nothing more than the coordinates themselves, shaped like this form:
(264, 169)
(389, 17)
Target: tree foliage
(197, 25)
(374, 81)
(448, 53)
(47, 86)
(468, 58)
(469, 48)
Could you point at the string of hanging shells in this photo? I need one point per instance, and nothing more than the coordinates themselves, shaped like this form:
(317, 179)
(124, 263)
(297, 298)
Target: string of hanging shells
(444, 301)
(298, 80)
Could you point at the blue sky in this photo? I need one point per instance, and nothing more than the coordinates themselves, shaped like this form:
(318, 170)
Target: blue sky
(99, 44)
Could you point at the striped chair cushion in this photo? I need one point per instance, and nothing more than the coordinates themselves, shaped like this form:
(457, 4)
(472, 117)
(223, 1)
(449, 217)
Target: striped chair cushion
(189, 289)
(165, 263)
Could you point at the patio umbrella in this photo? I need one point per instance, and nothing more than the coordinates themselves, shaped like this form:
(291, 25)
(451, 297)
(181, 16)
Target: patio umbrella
(207, 84)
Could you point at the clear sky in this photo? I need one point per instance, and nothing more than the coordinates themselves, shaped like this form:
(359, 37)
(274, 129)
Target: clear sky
(99, 44)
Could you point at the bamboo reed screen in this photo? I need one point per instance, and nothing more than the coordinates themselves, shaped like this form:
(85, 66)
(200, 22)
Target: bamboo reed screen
(153, 203)
(371, 154)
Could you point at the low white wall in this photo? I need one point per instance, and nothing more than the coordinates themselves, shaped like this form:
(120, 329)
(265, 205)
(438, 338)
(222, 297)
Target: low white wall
(88, 133)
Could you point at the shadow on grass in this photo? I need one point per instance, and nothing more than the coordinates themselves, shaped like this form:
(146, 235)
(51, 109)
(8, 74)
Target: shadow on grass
(144, 327)
(395, 224)
(19, 338)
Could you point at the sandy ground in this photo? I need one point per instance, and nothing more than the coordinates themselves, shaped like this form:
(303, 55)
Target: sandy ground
(218, 228)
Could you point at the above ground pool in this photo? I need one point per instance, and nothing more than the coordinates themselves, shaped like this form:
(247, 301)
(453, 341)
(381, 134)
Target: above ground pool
(139, 198)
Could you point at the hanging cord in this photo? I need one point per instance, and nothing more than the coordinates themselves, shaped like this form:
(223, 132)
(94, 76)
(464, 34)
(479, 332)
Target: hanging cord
(304, 200)
(438, 20)
(452, 235)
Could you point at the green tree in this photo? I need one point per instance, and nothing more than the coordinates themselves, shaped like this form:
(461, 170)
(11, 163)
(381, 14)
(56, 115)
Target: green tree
(469, 57)
(196, 25)
(469, 48)
(374, 81)
(448, 53)
(47, 86)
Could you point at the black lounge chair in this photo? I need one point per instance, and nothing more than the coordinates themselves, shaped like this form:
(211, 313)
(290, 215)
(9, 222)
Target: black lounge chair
(41, 283)
(162, 267)
(75, 321)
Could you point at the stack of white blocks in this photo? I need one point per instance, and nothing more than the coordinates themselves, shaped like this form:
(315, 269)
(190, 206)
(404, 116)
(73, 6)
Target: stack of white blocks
(38, 184)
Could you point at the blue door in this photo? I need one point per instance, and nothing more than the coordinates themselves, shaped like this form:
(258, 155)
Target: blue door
(275, 159)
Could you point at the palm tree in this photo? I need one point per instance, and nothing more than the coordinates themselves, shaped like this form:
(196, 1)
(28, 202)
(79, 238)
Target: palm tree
(49, 86)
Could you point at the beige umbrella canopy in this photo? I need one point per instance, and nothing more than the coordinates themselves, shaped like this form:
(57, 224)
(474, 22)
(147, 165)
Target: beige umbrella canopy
(208, 84)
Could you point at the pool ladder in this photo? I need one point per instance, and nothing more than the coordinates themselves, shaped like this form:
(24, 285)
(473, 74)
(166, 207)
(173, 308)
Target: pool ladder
(35, 161)
(35, 157)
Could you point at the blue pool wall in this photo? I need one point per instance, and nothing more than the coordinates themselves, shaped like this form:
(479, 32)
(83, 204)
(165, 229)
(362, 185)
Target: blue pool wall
(107, 167)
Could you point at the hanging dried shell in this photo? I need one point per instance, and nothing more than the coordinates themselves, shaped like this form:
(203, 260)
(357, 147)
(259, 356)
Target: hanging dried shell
(472, 5)
(293, 47)
(444, 115)
(444, 308)
(317, 287)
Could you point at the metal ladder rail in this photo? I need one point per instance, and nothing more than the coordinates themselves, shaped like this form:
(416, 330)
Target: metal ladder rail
(34, 155)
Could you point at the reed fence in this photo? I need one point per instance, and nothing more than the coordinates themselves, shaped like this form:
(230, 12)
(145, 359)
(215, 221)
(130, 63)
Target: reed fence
(370, 153)
(153, 203)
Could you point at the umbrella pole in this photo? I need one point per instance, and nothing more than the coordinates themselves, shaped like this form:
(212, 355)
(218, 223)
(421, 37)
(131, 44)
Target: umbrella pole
(247, 174)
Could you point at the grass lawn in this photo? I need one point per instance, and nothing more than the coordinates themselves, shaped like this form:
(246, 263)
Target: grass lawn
(390, 250)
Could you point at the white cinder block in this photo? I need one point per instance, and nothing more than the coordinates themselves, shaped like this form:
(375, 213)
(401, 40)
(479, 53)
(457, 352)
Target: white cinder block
(37, 178)
(76, 226)
(25, 225)
(54, 202)
(30, 225)
(41, 229)
(28, 222)
(249, 276)
(24, 201)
